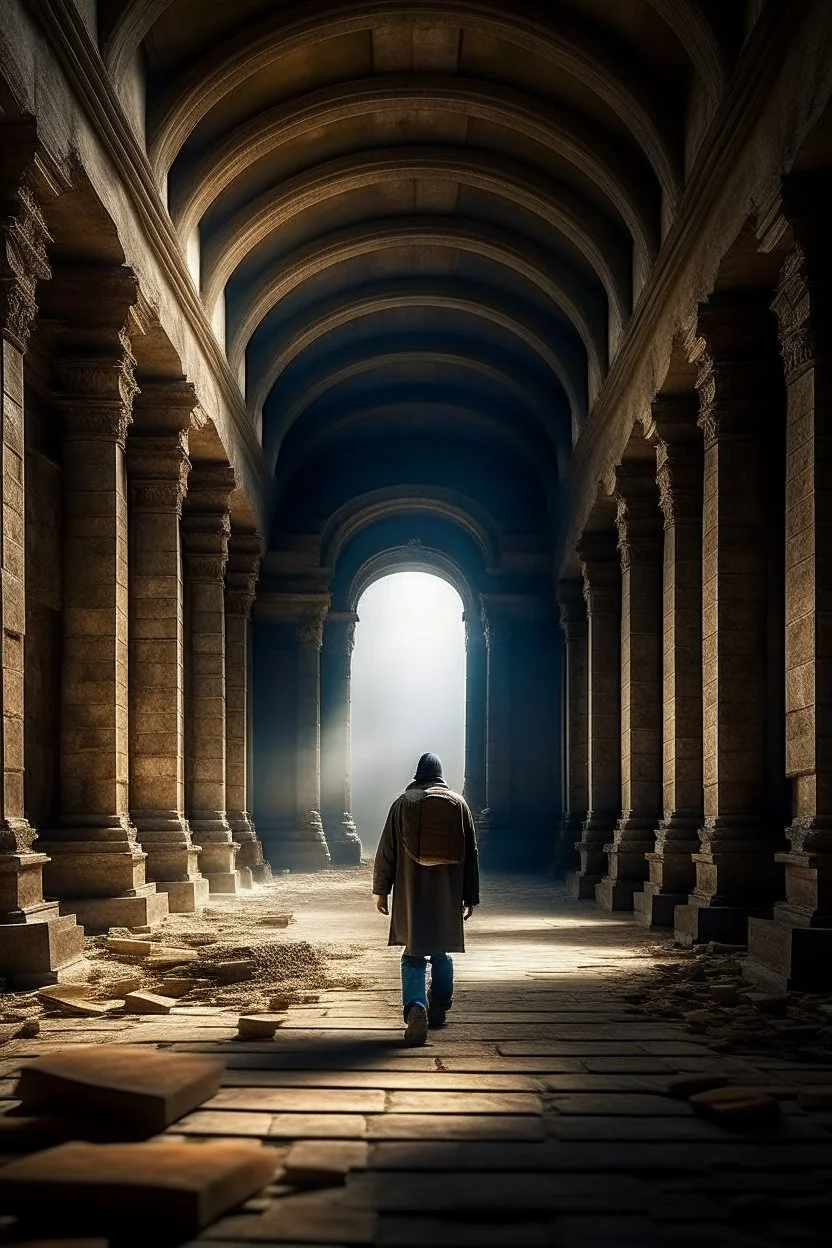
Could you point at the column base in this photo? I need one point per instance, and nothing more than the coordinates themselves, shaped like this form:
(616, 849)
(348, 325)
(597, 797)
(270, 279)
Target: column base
(144, 907)
(94, 868)
(567, 859)
(654, 908)
(185, 896)
(697, 922)
(298, 845)
(344, 842)
(613, 894)
(782, 958)
(217, 862)
(47, 951)
(581, 885)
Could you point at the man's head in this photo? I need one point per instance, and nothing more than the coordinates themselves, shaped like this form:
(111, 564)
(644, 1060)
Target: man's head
(429, 768)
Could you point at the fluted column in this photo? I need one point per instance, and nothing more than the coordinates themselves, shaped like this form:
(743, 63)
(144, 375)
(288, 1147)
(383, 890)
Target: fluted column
(736, 874)
(36, 944)
(601, 578)
(205, 531)
(640, 547)
(336, 790)
(795, 949)
(157, 473)
(573, 622)
(475, 712)
(244, 553)
(97, 867)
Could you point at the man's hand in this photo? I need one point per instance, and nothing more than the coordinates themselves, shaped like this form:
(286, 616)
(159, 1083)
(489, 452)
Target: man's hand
(467, 911)
(381, 905)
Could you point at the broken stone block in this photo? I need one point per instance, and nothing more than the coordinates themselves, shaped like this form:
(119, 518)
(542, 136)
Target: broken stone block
(121, 987)
(736, 1105)
(323, 1163)
(163, 958)
(148, 1003)
(93, 1187)
(688, 1085)
(232, 972)
(63, 992)
(129, 946)
(80, 1009)
(277, 920)
(257, 1027)
(279, 1004)
(177, 987)
(725, 994)
(134, 1086)
(767, 1002)
(141, 928)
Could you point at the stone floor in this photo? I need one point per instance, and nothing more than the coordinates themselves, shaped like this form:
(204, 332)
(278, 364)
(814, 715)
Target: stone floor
(537, 1117)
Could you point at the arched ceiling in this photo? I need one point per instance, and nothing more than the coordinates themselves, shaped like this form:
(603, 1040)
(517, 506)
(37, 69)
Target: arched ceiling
(420, 224)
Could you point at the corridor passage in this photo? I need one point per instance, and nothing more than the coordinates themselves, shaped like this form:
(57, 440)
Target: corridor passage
(538, 1116)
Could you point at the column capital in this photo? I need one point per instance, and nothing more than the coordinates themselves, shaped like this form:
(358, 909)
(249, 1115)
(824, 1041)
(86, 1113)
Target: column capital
(474, 630)
(23, 262)
(165, 408)
(339, 629)
(309, 629)
(245, 548)
(570, 597)
(637, 512)
(679, 473)
(206, 523)
(600, 569)
(803, 307)
(733, 350)
(157, 471)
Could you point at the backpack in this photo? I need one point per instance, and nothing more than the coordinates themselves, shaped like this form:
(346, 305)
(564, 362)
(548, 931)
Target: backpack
(433, 833)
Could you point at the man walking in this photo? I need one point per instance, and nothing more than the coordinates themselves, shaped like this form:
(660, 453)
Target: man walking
(428, 856)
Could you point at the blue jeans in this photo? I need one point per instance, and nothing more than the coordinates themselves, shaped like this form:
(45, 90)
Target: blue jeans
(414, 968)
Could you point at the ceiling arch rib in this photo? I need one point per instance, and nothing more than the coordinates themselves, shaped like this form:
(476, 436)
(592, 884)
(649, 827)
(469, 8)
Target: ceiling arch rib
(565, 289)
(414, 557)
(292, 411)
(591, 60)
(580, 222)
(584, 146)
(133, 23)
(352, 308)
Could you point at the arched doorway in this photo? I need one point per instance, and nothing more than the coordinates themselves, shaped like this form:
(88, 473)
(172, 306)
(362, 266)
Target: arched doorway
(408, 690)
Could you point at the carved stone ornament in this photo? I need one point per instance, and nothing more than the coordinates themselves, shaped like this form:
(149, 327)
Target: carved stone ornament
(496, 632)
(205, 567)
(792, 306)
(23, 264)
(310, 631)
(239, 601)
(97, 394)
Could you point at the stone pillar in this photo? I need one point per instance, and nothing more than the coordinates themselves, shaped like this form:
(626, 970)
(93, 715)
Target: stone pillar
(157, 474)
(244, 552)
(205, 531)
(601, 576)
(573, 624)
(795, 949)
(37, 945)
(640, 545)
(97, 868)
(736, 875)
(336, 794)
(494, 823)
(475, 696)
(306, 847)
(679, 474)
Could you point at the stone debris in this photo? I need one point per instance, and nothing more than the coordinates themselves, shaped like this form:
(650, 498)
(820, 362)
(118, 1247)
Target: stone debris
(323, 1163)
(64, 992)
(121, 987)
(129, 947)
(257, 1027)
(148, 1003)
(177, 987)
(736, 1104)
(277, 920)
(92, 1187)
(131, 1085)
(767, 1003)
(231, 972)
(279, 1004)
(724, 994)
(164, 959)
(686, 1086)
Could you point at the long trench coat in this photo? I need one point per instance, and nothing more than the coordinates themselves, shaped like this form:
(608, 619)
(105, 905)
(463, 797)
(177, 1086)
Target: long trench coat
(427, 901)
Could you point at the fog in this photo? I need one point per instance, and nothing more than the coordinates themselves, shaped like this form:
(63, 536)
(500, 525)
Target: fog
(408, 691)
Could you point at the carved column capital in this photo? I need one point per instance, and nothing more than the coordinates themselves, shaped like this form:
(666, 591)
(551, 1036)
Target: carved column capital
(244, 553)
(309, 631)
(572, 609)
(733, 350)
(206, 523)
(637, 513)
(803, 307)
(157, 471)
(340, 632)
(601, 570)
(496, 632)
(23, 263)
(474, 631)
(679, 472)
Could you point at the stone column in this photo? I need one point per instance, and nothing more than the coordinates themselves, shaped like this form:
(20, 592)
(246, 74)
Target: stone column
(97, 868)
(601, 576)
(736, 874)
(244, 553)
(475, 695)
(494, 822)
(336, 795)
(37, 945)
(573, 624)
(157, 474)
(795, 950)
(679, 473)
(640, 545)
(205, 531)
(306, 848)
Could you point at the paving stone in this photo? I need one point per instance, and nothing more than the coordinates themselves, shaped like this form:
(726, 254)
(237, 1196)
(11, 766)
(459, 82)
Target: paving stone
(315, 1218)
(323, 1163)
(301, 1100)
(415, 1232)
(176, 1186)
(392, 1080)
(148, 1003)
(459, 1194)
(130, 1085)
(733, 1104)
(464, 1103)
(638, 1103)
(454, 1126)
(687, 1085)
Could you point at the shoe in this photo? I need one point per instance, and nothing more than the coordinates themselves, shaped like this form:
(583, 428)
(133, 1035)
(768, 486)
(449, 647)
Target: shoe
(416, 1031)
(436, 1013)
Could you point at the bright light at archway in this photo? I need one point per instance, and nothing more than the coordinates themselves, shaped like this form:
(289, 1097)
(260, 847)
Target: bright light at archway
(408, 691)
